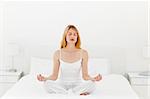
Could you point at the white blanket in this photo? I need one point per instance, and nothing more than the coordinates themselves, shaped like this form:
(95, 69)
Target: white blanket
(112, 86)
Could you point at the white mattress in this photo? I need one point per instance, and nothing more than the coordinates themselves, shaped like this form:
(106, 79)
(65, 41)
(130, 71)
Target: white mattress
(112, 86)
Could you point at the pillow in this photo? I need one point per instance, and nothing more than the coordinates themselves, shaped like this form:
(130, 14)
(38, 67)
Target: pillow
(41, 66)
(45, 66)
(98, 66)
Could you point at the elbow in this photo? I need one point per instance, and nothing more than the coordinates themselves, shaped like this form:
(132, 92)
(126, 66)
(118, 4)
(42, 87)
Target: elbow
(85, 78)
(53, 77)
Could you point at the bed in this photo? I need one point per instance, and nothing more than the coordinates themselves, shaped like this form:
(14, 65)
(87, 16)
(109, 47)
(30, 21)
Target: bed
(112, 86)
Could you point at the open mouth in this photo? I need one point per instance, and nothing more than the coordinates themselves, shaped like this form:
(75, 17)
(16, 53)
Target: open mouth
(71, 39)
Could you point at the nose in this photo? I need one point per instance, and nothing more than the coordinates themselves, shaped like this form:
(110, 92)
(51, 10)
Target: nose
(72, 35)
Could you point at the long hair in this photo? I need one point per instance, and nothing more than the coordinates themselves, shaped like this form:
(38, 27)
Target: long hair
(64, 42)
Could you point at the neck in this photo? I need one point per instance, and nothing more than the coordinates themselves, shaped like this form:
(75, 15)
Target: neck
(70, 46)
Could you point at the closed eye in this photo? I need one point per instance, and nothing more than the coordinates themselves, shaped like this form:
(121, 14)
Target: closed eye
(75, 34)
(69, 33)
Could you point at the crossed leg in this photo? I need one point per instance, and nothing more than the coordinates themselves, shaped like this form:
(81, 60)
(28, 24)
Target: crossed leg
(53, 87)
(84, 88)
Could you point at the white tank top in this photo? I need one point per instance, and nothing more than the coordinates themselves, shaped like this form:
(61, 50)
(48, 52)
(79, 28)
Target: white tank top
(70, 72)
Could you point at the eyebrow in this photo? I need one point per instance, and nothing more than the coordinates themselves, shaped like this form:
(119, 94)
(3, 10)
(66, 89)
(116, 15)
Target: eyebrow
(72, 32)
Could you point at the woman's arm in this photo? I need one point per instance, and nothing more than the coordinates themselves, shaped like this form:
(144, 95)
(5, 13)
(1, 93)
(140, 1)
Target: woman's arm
(56, 64)
(85, 74)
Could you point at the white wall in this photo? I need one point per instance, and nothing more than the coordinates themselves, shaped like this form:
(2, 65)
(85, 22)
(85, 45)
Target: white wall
(1, 33)
(114, 30)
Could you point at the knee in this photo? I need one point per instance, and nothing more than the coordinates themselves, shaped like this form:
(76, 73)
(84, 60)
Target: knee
(87, 86)
(89, 82)
(91, 86)
(48, 83)
(47, 86)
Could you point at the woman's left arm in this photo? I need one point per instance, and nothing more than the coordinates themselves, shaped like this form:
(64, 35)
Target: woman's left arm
(85, 74)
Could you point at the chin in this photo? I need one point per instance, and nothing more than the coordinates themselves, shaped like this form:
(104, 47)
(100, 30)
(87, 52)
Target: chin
(72, 42)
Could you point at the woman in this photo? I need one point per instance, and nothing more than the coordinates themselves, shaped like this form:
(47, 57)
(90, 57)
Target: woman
(69, 61)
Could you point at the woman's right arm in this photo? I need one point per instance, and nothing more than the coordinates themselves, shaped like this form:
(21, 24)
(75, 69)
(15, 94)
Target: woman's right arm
(56, 65)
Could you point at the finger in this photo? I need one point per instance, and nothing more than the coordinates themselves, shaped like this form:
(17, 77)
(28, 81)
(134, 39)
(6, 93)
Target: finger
(81, 94)
(40, 79)
(37, 77)
(99, 75)
(95, 77)
(98, 79)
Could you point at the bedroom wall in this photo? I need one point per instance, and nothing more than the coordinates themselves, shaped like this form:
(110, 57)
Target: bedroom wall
(114, 30)
(149, 31)
(1, 34)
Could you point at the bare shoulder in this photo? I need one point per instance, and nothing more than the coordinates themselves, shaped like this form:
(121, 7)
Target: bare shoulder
(84, 52)
(57, 53)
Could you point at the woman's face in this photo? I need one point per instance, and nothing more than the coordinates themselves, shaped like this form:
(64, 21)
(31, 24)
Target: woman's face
(71, 36)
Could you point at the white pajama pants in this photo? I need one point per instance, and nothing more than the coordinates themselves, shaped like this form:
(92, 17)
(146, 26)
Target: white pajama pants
(63, 87)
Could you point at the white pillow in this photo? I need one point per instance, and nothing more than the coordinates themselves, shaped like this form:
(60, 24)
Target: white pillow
(41, 66)
(98, 66)
(45, 66)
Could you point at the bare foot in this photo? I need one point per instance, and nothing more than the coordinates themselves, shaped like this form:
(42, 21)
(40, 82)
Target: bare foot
(86, 93)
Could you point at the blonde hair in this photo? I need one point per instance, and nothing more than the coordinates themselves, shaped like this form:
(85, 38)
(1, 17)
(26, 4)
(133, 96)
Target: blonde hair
(64, 42)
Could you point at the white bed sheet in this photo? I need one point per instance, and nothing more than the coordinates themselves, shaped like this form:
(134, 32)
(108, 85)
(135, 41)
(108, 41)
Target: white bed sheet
(112, 86)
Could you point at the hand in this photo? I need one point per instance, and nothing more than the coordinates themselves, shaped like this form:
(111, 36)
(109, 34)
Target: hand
(97, 78)
(41, 78)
